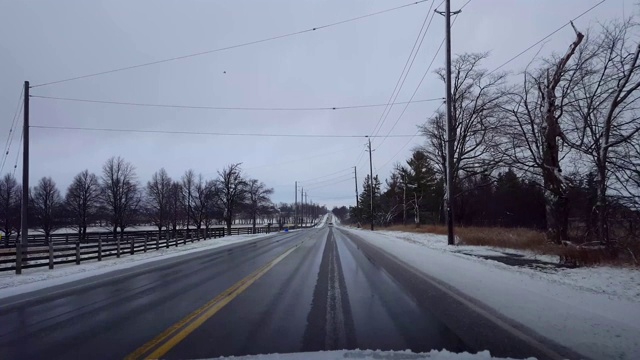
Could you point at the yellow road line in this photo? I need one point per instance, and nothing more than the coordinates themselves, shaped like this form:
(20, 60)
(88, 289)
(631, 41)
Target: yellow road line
(169, 338)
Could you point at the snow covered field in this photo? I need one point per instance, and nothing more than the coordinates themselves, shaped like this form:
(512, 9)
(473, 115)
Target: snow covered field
(594, 311)
(39, 278)
(370, 354)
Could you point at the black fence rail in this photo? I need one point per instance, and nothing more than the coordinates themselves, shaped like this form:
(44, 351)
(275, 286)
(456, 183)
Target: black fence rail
(94, 237)
(71, 248)
(97, 246)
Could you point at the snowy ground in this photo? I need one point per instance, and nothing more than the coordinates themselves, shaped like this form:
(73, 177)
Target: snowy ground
(39, 278)
(369, 354)
(322, 221)
(594, 311)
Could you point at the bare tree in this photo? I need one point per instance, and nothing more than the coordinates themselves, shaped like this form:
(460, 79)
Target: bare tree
(83, 200)
(120, 192)
(176, 212)
(212, 207)
(477, 99)
(232, 192)
(46, 203)
(201, 196)
(531, 137)
(188, 193)
(159, 199)
(258, 199)
(10, 201)
(603, 109)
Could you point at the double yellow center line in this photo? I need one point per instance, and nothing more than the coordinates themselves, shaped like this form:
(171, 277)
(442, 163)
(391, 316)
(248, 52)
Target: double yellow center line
(164, 342)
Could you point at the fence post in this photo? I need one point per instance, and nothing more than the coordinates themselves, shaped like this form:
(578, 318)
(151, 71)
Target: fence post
(118, 247)
(18, 257)
(146, 238)
(184, 240)
(50, 255)
(78, 252)
(132, 250)
(99, 247)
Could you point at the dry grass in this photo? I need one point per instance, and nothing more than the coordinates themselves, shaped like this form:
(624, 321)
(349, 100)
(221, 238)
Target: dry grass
(511, 238)
(521, 239)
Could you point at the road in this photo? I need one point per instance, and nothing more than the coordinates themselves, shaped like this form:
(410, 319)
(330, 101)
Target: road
(308, 290)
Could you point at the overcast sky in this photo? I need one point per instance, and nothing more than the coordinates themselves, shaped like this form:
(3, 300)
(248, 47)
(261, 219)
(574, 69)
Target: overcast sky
(355, 63)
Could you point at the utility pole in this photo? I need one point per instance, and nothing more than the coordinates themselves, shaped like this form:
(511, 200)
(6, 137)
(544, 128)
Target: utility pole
(295, 208)
(306, 201)
(450, 127)
(301, 206)
(355, 174)
(404, 199)
(371, 183)
(25, 170)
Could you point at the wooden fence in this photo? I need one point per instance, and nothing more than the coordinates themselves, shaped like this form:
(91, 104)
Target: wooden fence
(68, 249)
(92, 237)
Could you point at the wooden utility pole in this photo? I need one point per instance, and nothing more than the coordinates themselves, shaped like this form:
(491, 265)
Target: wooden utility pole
(301, 206)
(404, 199)
(371, 182)
(295, 208)
(306, 201)
(25, 169)
(451, 137)
(355, 174)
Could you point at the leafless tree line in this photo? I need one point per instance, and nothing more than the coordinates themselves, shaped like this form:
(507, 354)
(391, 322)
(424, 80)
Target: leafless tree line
(116, 198)
(578, 111)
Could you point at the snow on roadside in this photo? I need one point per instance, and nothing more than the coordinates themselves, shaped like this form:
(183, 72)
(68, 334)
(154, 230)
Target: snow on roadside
(370, 354)
(594, 311)
(612, 281)
(39, 278)
(322, 221)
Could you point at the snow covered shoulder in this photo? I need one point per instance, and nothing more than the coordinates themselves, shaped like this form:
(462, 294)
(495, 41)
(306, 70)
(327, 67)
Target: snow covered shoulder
(594, 311)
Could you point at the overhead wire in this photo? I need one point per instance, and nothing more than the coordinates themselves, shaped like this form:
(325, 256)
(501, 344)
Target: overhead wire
(14, 121)
(400, 82)
(340, 177)
(15, 165)
(296, 160)
(143, 131)
(125, 103)
(320, 177)
(422, 79)
(228, 47)
(546, 37)
(329, 184)
(408, 142)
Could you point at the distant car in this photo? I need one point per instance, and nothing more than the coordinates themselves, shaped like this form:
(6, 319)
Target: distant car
(330, 224)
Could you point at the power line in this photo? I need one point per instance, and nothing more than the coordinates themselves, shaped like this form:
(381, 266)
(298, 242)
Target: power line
(15, 165)
(17, 113)
(109, 102)
(320, 177)
(325, 185)
(202, 132)
(401, 80)
(228, 47)
(296, 160)
(340, 177)
(408, 142)
(421, 80)
(546, 37)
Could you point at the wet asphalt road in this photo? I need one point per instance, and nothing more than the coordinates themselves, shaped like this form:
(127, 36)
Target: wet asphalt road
(333, 291)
